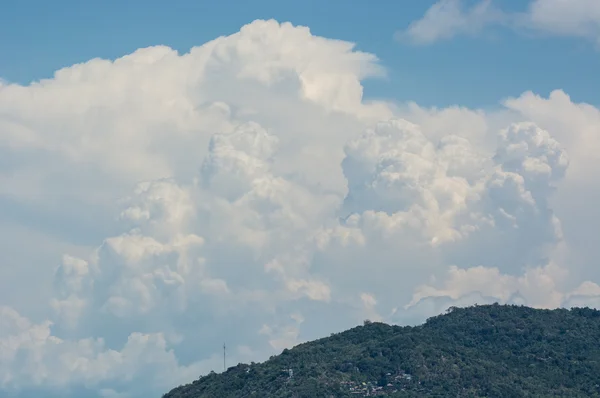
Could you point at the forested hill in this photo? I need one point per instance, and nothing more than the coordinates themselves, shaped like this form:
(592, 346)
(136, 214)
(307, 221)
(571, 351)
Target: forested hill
(481, 351)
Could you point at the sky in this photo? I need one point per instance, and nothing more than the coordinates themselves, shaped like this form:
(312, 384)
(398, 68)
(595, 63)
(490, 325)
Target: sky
(266, 173)
(37, 37)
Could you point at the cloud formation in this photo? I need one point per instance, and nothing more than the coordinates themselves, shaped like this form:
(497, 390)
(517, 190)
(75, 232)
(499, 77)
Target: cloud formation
(245, 192)
(449, 18)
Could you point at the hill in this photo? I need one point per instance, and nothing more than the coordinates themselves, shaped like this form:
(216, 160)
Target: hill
(480, 351)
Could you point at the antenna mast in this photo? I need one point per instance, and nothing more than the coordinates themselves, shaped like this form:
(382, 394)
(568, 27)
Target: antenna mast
(224, 348)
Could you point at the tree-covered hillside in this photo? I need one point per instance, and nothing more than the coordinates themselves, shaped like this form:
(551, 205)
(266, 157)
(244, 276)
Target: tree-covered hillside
(481, 351)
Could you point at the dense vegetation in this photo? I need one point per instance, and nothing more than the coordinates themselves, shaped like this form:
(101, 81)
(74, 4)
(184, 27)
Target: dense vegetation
(481, 351)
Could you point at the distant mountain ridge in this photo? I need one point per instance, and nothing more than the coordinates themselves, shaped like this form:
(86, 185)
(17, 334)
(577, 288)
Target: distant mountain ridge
(480, 351)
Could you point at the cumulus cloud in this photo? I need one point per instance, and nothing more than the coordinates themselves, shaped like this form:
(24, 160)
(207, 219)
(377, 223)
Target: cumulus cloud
(449, 18)
(577, 126)
(539, 287)
(31, 356)
(246, 193)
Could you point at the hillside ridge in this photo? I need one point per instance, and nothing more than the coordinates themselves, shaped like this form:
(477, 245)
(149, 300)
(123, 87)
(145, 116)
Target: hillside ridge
(479, 351)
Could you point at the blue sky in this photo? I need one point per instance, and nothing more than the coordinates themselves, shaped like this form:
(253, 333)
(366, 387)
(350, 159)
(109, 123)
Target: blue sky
(37, 37)
(248, 191)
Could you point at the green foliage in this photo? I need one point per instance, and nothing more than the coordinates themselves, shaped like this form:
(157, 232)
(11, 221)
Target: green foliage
(481, 351)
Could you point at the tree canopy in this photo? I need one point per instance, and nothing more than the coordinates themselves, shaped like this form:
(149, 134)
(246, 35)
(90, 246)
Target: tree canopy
(480, 351)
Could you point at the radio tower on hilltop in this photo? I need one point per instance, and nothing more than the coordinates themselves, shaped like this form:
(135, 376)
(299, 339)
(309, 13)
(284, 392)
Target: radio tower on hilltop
(224, 348)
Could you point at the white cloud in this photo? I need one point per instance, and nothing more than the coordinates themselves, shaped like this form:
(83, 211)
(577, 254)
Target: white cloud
(539, 287)
(449, 18)
(577, 126)
(580, 18)
(536, 286)
(245, 192)
(31, 356)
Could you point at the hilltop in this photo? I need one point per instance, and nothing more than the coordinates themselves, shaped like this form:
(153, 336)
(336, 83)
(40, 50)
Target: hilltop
(480, 351)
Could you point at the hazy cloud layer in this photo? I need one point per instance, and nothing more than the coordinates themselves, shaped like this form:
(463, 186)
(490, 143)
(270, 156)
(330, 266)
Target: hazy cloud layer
(449, 18)
(245, 193)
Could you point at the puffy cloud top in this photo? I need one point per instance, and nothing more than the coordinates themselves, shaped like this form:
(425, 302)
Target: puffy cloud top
(246, 192)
